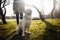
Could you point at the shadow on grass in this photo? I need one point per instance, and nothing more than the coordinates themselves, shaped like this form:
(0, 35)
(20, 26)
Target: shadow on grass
(51, 32)
(19, 37)
(15, 37)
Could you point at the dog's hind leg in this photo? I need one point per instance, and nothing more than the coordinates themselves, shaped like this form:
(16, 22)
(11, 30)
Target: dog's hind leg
(28, 29)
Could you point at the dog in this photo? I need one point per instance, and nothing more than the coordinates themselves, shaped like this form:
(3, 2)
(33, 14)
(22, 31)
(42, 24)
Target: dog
(24, 23)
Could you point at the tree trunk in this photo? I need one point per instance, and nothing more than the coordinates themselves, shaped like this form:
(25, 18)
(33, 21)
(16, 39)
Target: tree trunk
(3, 14)
(40, 15)
(54, 2)
(3, 19)
(52, 13)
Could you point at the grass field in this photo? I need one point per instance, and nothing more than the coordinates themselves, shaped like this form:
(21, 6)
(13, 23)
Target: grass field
(40, 30)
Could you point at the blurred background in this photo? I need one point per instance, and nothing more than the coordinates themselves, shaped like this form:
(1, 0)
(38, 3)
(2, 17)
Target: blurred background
(44, 6)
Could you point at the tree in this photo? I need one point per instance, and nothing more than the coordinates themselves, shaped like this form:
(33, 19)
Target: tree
(40, 14)
(1, 11)
(54, 2)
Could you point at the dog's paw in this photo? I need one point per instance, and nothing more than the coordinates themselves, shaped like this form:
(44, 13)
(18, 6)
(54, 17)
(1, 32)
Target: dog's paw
(23, 34)
(28, 32)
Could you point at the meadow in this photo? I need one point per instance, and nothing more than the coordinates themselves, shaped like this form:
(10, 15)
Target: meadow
(40, 30)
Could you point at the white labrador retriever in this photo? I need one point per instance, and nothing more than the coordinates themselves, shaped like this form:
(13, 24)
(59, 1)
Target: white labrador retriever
(25, 22)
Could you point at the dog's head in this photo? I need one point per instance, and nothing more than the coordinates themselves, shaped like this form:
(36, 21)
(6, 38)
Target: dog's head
(28, 12)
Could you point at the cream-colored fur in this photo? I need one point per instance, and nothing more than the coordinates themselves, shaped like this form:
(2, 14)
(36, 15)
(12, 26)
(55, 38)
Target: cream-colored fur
(25, 22)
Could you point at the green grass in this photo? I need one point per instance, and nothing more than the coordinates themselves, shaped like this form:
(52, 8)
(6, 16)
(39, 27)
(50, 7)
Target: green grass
(40, 30)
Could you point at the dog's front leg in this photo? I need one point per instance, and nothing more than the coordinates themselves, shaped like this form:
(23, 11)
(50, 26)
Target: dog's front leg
(23, 30)
(17, 30)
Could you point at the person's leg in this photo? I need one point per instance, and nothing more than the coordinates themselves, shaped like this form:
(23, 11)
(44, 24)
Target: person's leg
(21, 16)
(17, 18)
